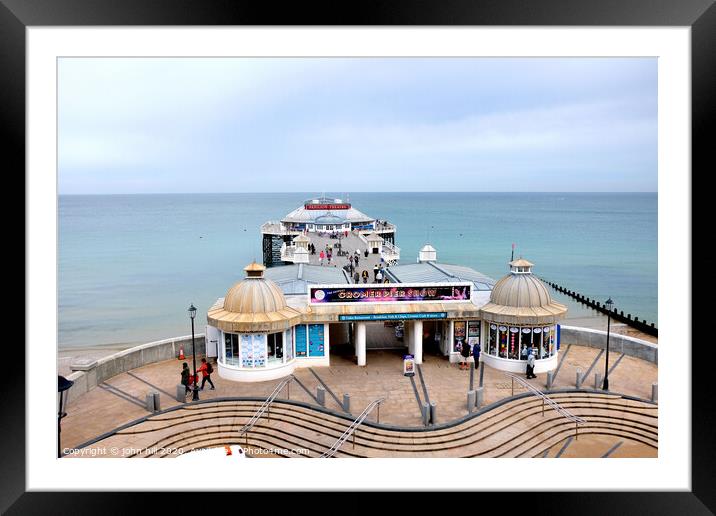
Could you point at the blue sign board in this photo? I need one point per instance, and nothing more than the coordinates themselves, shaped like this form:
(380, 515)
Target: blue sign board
(315, 340)
(558, 334)
(301, 340)
(392, 317)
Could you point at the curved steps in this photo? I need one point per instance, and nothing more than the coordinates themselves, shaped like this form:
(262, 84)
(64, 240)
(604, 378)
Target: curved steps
(514, 429)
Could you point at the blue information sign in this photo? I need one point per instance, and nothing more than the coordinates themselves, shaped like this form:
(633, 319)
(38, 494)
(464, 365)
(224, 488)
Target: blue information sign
(558, 333)
(392, 317)
(301, 340)
(315, 340)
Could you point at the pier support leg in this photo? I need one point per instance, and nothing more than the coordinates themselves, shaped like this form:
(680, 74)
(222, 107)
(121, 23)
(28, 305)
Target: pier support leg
(550, 380)
(578, 380)
(654, 392)
(597, 381)
(470, 401)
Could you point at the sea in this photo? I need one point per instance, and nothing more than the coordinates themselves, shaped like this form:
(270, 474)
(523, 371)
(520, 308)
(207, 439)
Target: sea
(130, 265)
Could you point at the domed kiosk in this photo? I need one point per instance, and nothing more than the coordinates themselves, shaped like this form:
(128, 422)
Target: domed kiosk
(255, 325)
(520, 316)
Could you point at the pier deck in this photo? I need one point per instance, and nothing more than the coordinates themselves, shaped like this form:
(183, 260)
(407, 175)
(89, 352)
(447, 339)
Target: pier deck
(349, 244)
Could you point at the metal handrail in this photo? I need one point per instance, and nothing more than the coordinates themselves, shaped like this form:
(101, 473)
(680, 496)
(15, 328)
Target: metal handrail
(265, 406)
(352, 428)
(564, 412)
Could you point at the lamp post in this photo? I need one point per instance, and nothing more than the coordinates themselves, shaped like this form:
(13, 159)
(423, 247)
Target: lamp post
(192, 314)
(63, 389)
(608, 303)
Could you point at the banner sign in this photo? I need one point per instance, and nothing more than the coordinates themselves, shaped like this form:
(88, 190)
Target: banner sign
(392, 317)
(391, 293)
(327, 206)
(408, 365)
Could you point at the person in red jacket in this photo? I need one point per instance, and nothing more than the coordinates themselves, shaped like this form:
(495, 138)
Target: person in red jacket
(206, 370)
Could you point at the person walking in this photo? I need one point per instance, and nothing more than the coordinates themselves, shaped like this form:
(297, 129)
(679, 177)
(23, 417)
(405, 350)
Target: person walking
(356, 277)
(350, 259)
(206, 370)
(531, 365)
(375, 272)
(356, 261)
(379, 277)
(185, 377)
(320, 258)
(476, 354)
(465, 352)
(364, 275)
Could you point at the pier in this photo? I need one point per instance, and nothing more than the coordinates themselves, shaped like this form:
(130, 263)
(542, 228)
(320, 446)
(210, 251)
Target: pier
(323, 223)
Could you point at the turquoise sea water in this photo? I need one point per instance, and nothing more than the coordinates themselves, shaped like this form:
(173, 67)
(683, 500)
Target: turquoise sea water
(130, 265)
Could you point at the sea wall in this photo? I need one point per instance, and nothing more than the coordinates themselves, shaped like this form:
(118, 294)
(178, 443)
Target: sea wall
(630, 346)
(93, 372)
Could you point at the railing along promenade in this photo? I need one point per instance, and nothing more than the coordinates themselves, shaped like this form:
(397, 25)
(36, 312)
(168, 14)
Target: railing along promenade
(546, 399)
(265, 407)
(352, 428)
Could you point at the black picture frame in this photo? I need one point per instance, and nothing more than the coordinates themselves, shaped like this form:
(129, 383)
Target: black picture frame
(700, 15)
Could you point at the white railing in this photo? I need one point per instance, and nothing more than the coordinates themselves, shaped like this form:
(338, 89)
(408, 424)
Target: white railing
(274, 227)
(546, 399)
(265, 406)
(352, 428)
(385, 228)
(390, 253)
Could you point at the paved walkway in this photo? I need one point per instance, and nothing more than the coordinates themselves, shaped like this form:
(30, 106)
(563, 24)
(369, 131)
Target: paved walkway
(120, 400)
(349, 244)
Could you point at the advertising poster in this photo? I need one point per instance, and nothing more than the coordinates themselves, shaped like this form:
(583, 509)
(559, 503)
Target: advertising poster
(315, 340)
(301, 341)
(247, 355)
(459, 330)
(473, 332)
(408, 365)
(259, 349)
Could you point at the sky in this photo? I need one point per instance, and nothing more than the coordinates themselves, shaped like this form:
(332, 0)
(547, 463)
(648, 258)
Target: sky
(201, 125)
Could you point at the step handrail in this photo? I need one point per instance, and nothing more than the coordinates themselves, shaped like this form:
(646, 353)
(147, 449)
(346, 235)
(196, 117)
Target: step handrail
(564, 412)
(351, 428)
(266, 404)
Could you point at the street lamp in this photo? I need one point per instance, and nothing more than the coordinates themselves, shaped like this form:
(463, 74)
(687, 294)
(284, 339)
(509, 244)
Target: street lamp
(192, 314)
(63, 389)
(608, 303)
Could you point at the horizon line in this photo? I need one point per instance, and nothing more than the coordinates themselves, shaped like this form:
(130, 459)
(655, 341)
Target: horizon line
(374, 192)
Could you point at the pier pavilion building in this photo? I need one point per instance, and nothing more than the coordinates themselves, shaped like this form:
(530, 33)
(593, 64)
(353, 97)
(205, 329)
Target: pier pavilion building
(285, 317)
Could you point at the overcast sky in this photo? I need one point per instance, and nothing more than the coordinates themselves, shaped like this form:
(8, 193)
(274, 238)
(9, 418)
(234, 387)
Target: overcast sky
(145, 125)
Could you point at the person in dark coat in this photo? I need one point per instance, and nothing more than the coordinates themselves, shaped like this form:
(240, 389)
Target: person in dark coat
(185, 377)
(356, 277)
(465, 352)
(476, 354)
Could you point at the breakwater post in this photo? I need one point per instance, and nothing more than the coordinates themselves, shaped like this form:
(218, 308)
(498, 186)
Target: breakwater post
(634, 322)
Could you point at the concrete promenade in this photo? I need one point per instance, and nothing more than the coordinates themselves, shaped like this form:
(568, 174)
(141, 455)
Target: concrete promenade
(120, 399)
